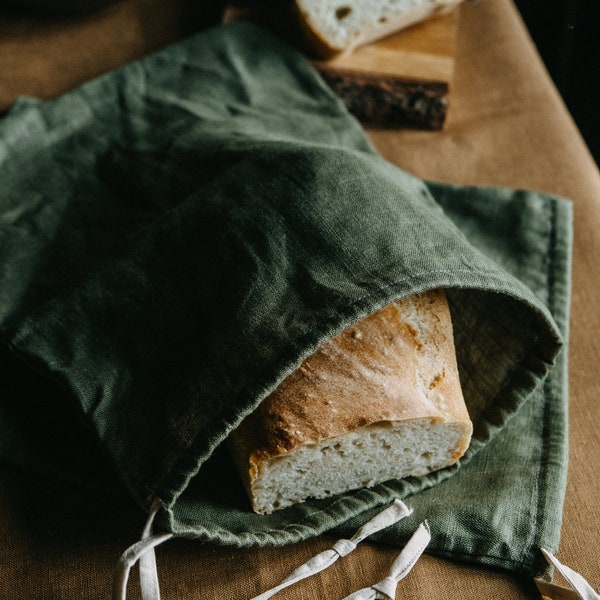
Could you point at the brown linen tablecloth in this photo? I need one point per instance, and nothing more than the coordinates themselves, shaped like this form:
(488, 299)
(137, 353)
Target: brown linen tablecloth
(507, 126)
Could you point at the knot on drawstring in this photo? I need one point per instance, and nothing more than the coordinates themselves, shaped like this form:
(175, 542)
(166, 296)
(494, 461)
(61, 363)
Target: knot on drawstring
(142, 552)
(387, 517)
(344, 547)
(386, 589)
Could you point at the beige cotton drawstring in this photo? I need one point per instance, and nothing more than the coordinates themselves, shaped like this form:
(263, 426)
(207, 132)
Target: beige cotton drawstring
(397, 511)
(386, 589)
(580, 588)
(142, 551)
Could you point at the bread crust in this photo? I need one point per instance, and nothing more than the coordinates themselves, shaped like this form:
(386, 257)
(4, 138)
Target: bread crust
(394, 366)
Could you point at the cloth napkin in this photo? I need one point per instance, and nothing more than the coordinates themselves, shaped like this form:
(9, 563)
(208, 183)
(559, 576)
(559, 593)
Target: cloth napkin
(178, 235)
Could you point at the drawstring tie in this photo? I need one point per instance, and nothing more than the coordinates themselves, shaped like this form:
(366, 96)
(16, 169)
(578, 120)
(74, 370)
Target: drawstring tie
(143, 552)
(386, 589)
(397, 511)
(580, 588)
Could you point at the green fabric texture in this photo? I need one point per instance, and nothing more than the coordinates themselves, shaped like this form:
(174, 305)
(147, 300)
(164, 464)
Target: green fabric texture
(177, 236)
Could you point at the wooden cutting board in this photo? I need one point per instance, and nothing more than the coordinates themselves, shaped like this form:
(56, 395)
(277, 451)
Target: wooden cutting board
(403, 80)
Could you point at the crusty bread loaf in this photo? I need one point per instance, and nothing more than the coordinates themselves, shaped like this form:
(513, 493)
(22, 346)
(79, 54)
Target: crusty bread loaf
(382, 400)
(339, 26)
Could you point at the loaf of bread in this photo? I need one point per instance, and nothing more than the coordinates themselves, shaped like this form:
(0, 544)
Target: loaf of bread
(382, 400)
(339, 26)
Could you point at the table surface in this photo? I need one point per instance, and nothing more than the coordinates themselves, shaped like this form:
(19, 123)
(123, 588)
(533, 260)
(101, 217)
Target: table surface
(506, 126)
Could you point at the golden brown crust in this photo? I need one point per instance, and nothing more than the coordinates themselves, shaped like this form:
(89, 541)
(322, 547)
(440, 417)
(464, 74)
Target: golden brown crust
(395, 365)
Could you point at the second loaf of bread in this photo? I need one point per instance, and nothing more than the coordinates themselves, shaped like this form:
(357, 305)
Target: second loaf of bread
(333, 27)
(382, 400)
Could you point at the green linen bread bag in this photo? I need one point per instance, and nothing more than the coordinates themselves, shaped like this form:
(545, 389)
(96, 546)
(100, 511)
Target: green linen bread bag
(177, 236)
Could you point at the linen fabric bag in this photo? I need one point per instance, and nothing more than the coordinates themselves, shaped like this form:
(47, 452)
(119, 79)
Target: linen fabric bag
(178, 235)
